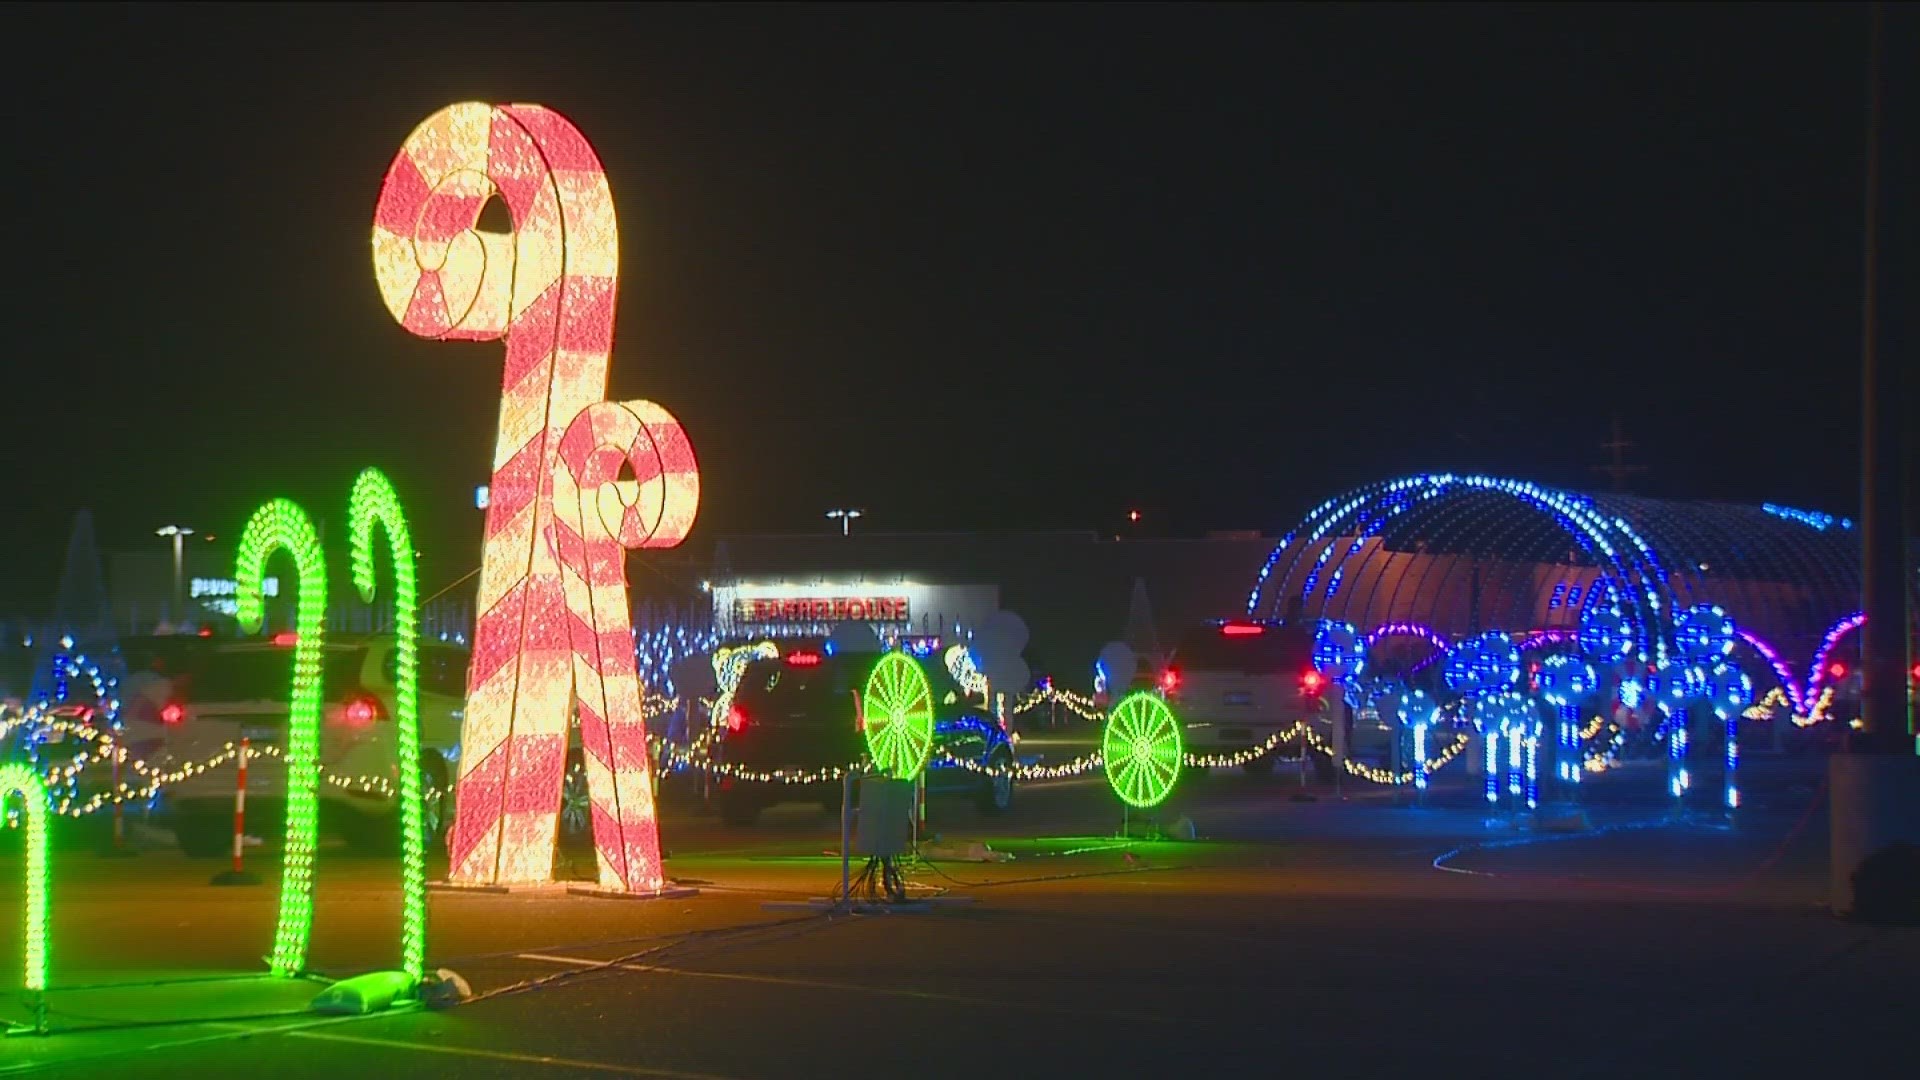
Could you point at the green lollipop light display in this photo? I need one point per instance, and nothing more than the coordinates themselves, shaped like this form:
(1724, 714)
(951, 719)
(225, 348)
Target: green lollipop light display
(1142, 750)
(896, 714)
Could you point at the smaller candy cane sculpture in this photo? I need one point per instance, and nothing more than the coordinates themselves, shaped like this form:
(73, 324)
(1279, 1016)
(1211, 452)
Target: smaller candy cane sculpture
(596, 519)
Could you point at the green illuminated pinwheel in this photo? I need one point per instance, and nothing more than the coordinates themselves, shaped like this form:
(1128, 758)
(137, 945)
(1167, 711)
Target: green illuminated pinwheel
(897, 716)
(1142, 750)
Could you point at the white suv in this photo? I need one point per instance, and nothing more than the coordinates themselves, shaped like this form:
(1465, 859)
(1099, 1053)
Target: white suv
(231, 691)
(1235, 683)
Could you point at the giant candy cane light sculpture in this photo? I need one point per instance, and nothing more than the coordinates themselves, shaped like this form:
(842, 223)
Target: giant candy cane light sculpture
(554, 624)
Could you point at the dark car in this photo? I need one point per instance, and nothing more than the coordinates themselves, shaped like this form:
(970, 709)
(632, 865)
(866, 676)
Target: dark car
(797, 714)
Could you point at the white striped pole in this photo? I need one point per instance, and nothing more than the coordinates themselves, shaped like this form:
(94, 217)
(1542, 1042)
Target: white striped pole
(237, 875)
(240, 807)
(119, 822)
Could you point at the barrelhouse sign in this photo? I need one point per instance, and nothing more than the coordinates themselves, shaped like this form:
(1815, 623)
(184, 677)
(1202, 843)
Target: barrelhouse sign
(811, 609)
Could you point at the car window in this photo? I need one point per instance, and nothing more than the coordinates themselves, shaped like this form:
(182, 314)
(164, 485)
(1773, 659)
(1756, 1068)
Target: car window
(164, 655)
(267, 674)
(443, 669)
(1273, 649)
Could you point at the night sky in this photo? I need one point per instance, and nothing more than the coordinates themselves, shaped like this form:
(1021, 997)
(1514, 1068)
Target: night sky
(966, 268)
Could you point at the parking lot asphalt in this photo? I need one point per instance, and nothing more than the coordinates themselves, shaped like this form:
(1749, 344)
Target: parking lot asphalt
(1355, 936)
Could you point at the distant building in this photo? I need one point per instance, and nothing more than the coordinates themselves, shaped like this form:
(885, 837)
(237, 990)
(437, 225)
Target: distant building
(1073, 589)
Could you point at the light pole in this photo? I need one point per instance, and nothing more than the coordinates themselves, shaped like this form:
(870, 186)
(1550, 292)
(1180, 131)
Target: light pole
(179, 533)
(846, 519)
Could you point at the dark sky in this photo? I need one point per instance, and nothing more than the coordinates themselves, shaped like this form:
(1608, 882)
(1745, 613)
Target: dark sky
(1001, 267)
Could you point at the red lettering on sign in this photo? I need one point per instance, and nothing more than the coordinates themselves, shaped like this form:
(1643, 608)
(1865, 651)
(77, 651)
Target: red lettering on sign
(819, 609)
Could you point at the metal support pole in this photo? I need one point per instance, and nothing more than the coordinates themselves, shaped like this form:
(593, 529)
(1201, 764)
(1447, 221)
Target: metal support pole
(846, 856)
(119, 820)
(1339, 751)
(1884, 646)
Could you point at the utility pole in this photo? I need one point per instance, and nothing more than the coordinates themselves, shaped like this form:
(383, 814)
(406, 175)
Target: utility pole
(1874, 784)
(179, 602)
(1883, 637)
(1618, 471)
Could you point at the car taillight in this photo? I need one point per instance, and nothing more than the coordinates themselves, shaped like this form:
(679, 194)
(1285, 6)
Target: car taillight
(1312, 681)
(362, 711)
(1169, 681)
(172, 713)
(736, 720)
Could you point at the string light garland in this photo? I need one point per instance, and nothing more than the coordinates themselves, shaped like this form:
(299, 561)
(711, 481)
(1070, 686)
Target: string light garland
(374, 502)
(1080, 705)
(282, 524)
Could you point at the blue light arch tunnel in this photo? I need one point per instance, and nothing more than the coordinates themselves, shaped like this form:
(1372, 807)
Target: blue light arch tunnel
(1432, 559)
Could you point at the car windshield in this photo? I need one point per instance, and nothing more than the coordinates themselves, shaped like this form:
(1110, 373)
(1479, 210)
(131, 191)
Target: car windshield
(1270, 649)
(786, 687)
(165, 655)
(267, 674)
(824, 689)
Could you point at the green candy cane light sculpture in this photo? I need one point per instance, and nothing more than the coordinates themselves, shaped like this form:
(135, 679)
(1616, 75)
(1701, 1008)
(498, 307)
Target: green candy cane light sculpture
(374, 502)
(22, 780)
(282, 524)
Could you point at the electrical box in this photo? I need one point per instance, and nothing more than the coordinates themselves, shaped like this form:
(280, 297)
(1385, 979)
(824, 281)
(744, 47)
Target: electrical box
(885, 827)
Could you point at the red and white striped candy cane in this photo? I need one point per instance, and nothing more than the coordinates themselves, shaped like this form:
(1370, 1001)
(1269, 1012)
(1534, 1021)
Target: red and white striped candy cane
(597, 518)
(548, 289)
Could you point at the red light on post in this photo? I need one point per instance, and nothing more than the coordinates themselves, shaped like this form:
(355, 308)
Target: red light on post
(172, 713)
(1837, 671)
(736, 720)
(1312, 681)
(362, 711)
(1169, 681)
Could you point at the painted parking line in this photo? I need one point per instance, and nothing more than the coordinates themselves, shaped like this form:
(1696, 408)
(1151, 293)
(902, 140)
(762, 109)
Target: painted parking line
(820, 984)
